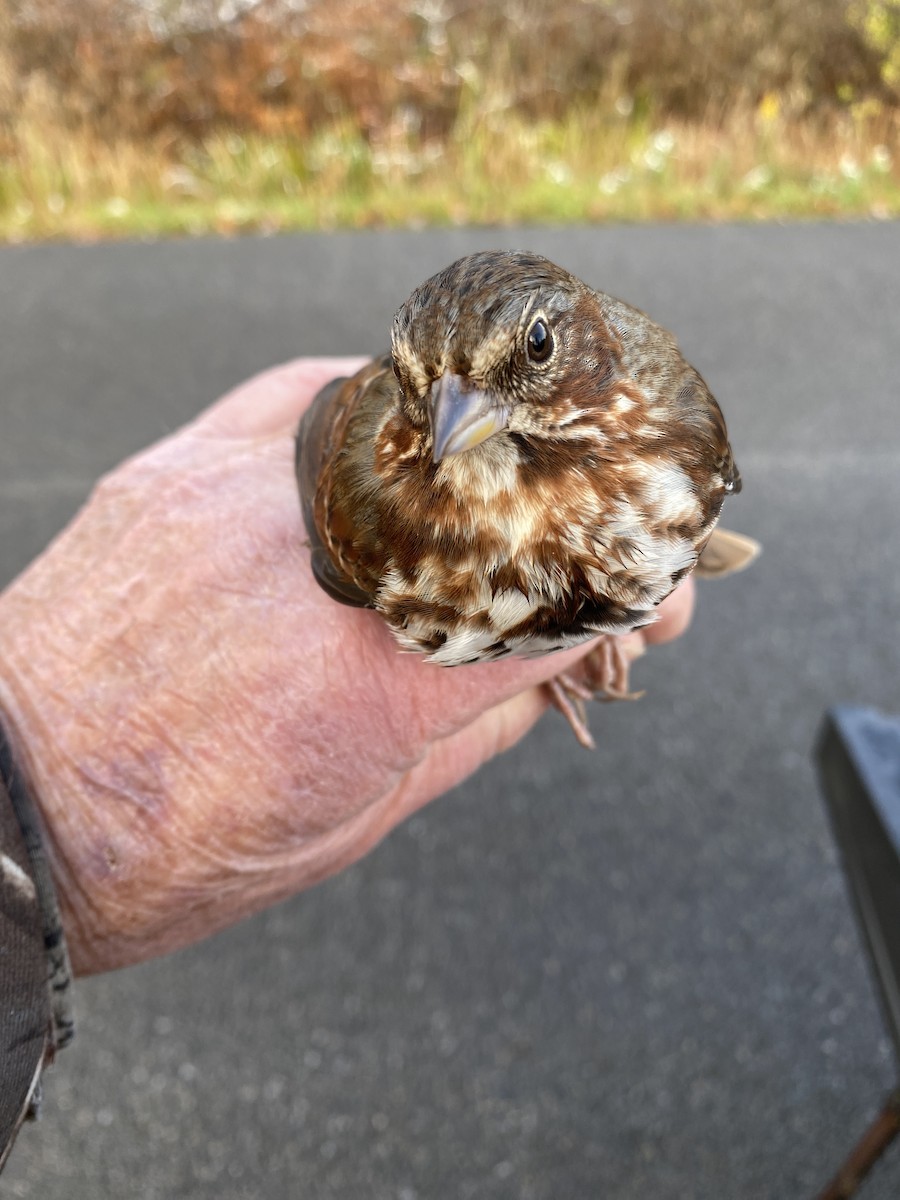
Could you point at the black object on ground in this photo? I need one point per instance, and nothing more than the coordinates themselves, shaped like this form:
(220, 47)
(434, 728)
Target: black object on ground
(859, 765)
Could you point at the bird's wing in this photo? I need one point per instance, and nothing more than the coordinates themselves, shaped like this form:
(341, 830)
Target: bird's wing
(338, 483)
(314, 453)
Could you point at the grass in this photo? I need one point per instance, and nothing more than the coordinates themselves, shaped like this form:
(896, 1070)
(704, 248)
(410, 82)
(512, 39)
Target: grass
(494, 167)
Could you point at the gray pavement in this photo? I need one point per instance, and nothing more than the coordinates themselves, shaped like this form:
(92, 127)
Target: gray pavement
(627, 975)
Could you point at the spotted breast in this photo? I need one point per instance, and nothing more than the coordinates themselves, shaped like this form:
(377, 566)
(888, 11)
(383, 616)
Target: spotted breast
(534, 463)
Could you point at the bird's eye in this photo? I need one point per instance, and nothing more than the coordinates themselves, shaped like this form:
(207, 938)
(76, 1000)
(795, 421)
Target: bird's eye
(540, 342)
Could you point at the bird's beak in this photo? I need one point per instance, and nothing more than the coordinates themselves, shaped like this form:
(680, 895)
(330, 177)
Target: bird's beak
(462, 415)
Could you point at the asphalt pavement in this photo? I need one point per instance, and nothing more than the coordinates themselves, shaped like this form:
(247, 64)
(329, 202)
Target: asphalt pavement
(579, 977)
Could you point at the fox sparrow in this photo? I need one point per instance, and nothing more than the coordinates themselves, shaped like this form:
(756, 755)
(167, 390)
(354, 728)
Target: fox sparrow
(532, 464)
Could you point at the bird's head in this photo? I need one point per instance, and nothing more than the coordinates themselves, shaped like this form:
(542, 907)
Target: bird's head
(500, 341)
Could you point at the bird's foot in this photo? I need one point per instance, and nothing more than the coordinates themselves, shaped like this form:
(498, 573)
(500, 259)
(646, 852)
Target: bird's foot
(607, 668)
(568, 695)
(603, 675)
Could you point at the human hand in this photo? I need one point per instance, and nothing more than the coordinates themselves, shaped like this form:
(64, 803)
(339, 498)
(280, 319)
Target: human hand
(205, 732)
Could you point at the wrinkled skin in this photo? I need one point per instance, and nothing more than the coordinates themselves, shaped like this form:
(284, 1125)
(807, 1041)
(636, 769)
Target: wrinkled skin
(204, 730)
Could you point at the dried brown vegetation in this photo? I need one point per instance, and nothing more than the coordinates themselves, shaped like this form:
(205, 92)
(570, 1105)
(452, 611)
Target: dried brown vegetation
(132, 69)
(99, 87)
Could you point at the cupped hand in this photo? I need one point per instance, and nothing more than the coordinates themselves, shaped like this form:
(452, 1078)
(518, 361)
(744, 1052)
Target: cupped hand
(204, 730)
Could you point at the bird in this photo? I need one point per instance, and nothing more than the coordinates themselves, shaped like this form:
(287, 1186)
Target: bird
(532, 464)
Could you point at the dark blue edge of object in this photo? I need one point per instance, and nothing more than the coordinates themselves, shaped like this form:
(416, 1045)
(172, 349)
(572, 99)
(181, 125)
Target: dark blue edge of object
(858, 760)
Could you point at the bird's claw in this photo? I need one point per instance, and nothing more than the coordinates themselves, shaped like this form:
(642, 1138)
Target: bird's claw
(604, 676)
(568, 696)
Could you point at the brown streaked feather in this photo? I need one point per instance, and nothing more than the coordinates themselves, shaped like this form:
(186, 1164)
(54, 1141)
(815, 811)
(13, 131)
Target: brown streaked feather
(338, 474)
(314, 459)
(578, 518)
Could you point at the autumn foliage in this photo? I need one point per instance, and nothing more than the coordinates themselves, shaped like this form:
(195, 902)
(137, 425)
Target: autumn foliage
(182, 69)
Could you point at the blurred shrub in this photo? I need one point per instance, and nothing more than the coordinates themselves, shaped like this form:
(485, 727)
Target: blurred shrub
(879, 23)
(180, 68)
